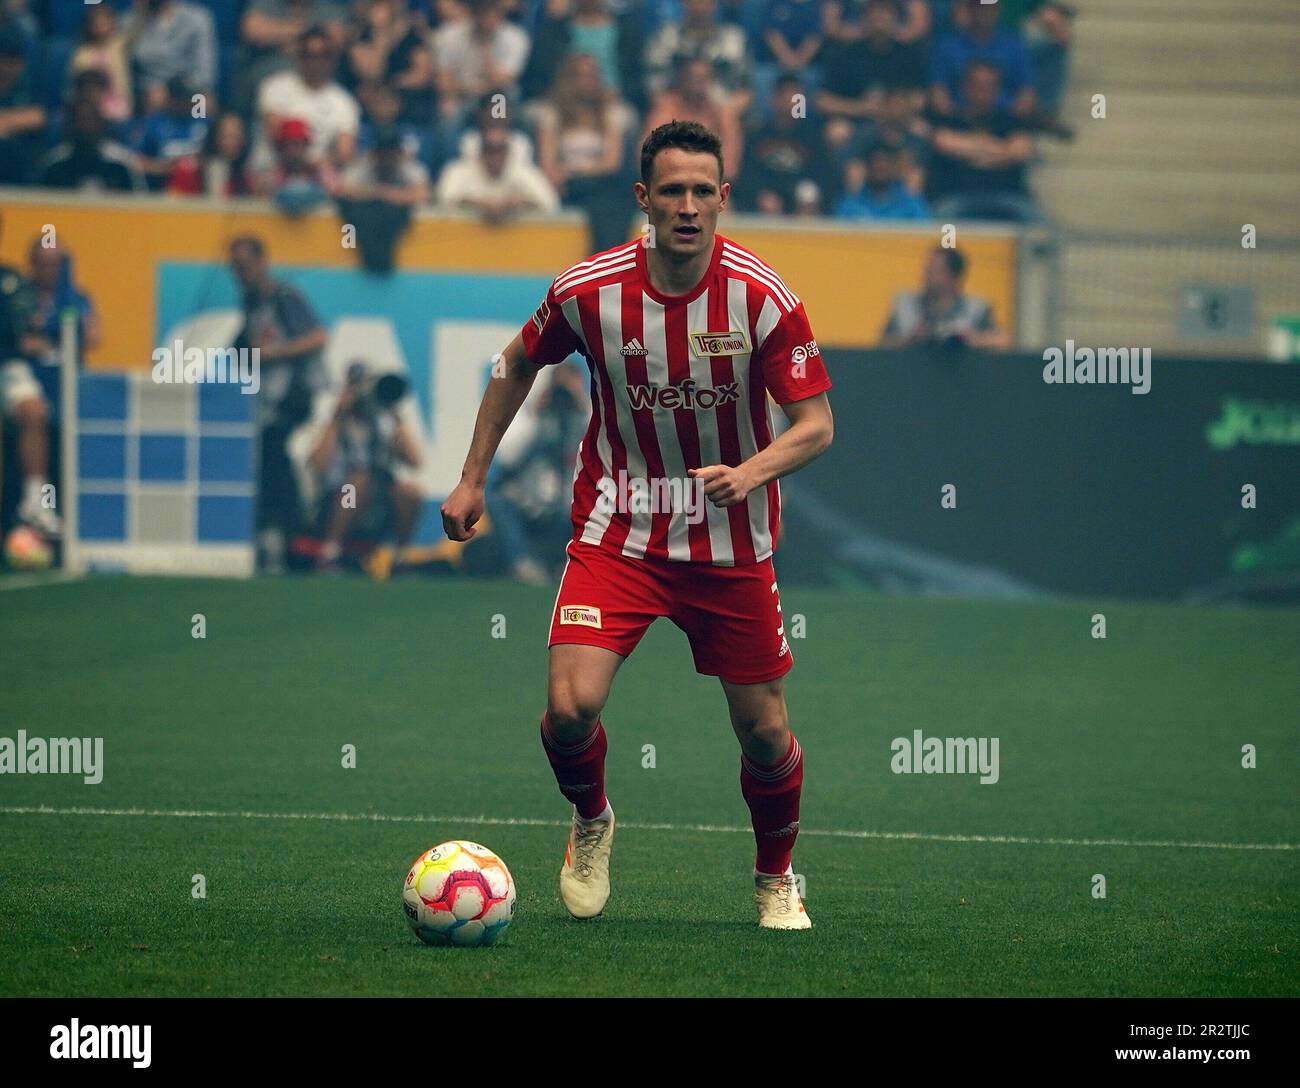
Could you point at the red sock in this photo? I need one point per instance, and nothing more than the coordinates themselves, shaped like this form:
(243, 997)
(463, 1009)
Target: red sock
(772, 794)
(579, 768)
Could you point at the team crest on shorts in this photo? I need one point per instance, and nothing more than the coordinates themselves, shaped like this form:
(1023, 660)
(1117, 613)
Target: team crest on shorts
(704, 344)
(580, 615)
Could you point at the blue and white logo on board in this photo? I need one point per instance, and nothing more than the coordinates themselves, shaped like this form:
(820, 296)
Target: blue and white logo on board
(165, 475)
(439, 329)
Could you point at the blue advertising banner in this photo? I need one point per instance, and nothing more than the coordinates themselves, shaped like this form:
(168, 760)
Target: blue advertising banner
(441, 330)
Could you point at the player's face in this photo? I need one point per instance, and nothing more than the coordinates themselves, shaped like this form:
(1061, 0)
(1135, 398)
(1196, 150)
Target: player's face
(683, 200)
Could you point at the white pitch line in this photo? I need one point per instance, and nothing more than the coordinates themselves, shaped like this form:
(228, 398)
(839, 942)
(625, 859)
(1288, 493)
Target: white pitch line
(523, 821)
(36, 581)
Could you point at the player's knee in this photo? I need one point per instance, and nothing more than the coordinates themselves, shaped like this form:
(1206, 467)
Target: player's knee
(573, 714)
(763, 716)
(768, 731)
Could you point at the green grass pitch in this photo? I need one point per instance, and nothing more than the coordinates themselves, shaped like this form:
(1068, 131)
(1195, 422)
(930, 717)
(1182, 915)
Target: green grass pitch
(1114, 754)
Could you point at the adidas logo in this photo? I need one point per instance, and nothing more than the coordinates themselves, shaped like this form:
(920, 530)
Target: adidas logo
(633, 347)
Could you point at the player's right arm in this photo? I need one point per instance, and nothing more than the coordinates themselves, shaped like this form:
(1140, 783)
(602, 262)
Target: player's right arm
(505, 395)
(545, 339)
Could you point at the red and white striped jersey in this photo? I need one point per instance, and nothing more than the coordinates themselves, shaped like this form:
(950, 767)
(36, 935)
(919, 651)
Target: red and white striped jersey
(677, 382)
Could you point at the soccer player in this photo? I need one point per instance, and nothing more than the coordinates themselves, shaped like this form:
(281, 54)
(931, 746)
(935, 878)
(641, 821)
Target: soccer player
(675, 502)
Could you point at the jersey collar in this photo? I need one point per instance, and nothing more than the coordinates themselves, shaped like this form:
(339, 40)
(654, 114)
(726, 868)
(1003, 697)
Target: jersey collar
(694, 292)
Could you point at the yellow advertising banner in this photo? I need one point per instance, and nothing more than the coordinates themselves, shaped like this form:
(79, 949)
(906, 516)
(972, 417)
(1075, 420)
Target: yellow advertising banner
(847, 275)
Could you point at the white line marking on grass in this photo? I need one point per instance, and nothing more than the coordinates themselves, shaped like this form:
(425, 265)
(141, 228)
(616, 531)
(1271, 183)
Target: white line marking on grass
(35, 581)
(523, 821)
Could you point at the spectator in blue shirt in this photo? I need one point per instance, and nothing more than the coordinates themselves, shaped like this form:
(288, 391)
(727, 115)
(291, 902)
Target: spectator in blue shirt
(984, 41)
(54, 293)
(22, 119)
(791, 42)
(166, 136)
(31, 312)
(874, 190)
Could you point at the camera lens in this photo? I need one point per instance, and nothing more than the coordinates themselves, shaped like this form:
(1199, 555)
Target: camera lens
(390, 389)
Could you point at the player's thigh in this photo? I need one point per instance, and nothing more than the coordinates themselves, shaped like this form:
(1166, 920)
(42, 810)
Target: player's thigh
(578, 686)
(758, 711)
(732, 617)
(604, 606)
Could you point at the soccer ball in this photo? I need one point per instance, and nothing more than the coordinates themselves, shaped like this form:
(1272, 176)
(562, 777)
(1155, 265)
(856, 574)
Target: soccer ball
(26, 549)
(458, 893)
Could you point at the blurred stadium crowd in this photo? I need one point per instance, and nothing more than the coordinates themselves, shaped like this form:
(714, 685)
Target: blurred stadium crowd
(861, 109)
(869, 110)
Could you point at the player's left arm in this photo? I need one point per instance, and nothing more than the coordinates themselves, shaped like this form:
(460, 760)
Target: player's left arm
(811, 431)
(792, 371)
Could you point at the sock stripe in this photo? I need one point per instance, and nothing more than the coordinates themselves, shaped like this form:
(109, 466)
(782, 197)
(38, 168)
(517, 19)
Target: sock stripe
(555, 746)
(781, 770)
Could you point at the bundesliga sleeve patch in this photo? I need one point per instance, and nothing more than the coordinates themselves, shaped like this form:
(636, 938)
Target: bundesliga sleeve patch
(580, 615)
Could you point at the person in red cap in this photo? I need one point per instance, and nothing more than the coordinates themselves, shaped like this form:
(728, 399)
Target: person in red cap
(293, 130)
(296, 182)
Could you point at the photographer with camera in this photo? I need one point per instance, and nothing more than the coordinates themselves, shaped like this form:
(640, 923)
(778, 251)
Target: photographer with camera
(357, 443)
(942, 313)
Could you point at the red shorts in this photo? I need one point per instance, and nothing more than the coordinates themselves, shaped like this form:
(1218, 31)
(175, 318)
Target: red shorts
(731, 615)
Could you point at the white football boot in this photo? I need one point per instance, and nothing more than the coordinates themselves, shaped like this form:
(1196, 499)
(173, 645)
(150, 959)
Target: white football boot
(584, 876)
(779, 905)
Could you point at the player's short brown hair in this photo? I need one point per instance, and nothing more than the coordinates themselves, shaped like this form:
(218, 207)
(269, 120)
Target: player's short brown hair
(688, 135)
